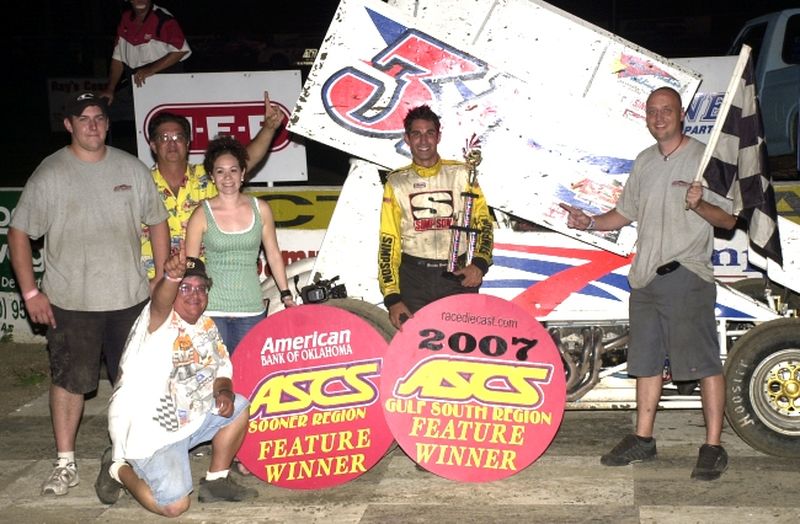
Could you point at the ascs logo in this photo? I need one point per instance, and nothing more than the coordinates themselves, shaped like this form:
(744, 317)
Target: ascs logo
(241, 120)
(329, 387)
(460, 379)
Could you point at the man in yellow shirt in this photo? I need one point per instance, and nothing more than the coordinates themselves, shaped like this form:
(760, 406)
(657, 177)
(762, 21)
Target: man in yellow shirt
(182, 185)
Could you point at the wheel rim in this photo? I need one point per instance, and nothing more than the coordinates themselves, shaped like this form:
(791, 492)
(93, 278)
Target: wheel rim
(775, 391)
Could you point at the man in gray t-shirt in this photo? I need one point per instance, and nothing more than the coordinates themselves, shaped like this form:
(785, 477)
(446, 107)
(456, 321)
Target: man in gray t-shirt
(672, 282)
(88, 202)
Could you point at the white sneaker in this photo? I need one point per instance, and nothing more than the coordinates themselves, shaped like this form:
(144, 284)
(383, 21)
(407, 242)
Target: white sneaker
(61, 479)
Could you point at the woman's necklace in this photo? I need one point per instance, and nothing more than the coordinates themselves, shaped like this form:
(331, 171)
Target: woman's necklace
(666, 157)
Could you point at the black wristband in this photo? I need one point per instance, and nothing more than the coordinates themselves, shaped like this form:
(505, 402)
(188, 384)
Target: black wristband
(285, 293)
(392, 299)
(481, 264)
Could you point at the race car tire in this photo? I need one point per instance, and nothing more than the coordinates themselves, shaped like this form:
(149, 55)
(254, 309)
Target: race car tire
(377, 317)
(762, 381)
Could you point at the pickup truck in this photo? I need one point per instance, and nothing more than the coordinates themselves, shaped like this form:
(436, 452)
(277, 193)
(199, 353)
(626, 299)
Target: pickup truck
(775, 40)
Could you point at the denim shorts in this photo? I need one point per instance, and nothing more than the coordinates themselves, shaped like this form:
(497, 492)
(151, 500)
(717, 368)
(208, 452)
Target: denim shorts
(168, 472)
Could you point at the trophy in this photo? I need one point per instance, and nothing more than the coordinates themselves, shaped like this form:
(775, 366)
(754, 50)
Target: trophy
(462, 226)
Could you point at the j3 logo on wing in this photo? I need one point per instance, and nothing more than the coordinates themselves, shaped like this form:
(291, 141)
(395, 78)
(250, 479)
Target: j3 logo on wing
(416, 67)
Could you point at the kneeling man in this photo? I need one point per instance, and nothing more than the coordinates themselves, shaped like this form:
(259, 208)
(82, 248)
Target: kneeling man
(175, 392)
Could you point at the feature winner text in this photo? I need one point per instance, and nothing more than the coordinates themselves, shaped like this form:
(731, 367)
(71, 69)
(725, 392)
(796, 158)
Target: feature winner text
(315, 455)
(471, 432)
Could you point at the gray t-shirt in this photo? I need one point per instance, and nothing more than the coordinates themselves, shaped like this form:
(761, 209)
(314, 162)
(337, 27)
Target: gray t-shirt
(90, 214)
(655, 197)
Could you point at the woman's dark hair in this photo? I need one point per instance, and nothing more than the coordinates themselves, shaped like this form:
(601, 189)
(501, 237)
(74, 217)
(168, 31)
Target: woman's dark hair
(225, 145)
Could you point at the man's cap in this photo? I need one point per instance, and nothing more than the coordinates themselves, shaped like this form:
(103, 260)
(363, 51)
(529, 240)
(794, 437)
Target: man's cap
(78, 103)
(195, 268)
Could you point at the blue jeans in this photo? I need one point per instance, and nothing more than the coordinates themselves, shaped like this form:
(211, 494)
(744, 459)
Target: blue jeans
(168, 472)
(233, 329)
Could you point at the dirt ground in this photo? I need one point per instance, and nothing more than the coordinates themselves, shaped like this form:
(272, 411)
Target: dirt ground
(24, 374)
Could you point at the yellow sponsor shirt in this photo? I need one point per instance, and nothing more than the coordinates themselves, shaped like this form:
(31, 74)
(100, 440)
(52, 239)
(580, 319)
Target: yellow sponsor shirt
(196, 186)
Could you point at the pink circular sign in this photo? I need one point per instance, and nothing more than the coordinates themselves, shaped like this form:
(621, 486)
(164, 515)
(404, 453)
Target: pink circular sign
(312, 374)
(473, 388)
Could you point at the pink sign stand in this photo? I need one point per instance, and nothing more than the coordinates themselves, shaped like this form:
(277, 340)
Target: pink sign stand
(312, 374)
(473, 388)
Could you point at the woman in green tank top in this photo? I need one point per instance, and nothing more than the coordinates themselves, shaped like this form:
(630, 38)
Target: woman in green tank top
(232, 227)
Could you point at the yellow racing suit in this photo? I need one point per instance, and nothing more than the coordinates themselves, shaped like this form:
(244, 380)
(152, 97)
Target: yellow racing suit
(419, 206)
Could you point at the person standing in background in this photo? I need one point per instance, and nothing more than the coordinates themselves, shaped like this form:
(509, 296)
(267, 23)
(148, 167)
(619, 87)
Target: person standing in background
(149, 41)
(183, 185)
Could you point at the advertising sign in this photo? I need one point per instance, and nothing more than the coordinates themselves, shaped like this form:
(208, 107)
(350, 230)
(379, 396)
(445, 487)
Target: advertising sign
(473, 388)
(225, 104)
(60, 90)
(301, 207)
(13, 317)
(301, 216)
(312, 374)
(701, 112)
(376, 63)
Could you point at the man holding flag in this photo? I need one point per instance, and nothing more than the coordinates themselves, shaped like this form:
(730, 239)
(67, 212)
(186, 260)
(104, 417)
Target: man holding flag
(672, 281)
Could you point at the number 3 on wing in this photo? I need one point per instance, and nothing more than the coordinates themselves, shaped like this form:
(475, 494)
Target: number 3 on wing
(419, 65)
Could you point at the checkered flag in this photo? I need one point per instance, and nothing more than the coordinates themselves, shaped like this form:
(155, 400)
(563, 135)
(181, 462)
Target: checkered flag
(735, 161)
(166, 414)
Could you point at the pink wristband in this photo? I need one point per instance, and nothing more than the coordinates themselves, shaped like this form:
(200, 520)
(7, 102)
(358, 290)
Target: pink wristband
(30, 294)
(172, 279)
